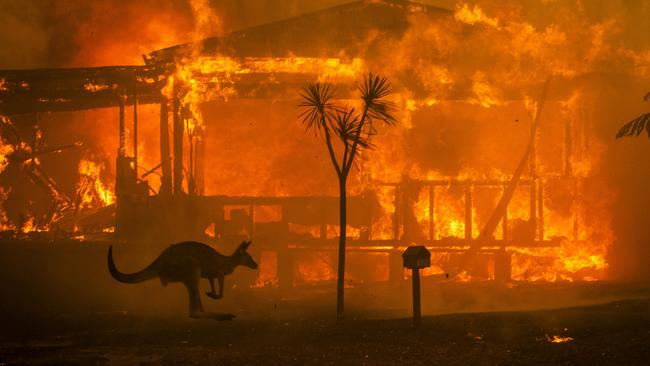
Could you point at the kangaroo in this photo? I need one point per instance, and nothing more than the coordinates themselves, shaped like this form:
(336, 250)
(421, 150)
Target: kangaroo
(188, 262)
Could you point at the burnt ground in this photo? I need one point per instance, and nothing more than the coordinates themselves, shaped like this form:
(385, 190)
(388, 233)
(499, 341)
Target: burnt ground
(614, 333)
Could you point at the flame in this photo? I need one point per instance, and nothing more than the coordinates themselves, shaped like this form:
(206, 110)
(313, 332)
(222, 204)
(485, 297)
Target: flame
(201, 79)
(484, 94)
(93, 88)
(5, 224)
(268, 276)
(29, 225)
(559, 339)
(5, 151)
(473, 15)
(91, 192)
(210, 230)
(315, 267)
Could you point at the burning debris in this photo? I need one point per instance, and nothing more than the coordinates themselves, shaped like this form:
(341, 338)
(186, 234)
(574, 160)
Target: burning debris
(25, 158)
(91, 192)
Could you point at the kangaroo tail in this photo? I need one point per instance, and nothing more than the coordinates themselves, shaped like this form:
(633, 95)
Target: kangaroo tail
(146, 274)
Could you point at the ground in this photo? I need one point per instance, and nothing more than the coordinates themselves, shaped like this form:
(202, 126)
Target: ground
(613, 333)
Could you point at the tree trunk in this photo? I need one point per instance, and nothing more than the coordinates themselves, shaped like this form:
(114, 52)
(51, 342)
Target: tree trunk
(342, 236)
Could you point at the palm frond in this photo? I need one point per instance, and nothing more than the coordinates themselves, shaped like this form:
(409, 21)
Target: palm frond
(373, 91)
(317, 101)
(635, 126)
(348, 127)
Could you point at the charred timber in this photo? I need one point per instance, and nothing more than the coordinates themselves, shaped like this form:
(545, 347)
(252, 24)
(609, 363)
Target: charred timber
(40, 90)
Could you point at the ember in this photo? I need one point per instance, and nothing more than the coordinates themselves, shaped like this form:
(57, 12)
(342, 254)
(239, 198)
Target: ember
(558, 339)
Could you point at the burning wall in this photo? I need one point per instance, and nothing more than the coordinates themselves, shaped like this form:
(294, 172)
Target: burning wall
(467, 86)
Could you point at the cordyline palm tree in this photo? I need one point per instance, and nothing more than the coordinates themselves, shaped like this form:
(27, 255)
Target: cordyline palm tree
(352, 129)
(637, 125)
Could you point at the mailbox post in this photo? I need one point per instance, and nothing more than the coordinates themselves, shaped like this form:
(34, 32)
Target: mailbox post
(416, 258)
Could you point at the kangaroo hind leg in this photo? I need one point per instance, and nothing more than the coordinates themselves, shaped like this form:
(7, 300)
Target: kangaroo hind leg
(191, 283)
(196, 307)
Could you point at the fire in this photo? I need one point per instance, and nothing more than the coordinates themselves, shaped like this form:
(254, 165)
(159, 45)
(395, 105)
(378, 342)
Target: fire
(559, 339)
(466, 106)
(473, 15)
(268, 270)
(200, 79)
(91, 192)
(485, 95)
(316, 267)
(5, 224)
(92, 87)
(5, 151)
(29, 225)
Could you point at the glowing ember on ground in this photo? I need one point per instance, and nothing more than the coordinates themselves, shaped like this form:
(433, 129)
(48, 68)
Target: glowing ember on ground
(559, 339)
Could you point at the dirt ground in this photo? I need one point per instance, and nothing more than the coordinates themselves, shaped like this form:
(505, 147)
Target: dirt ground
(614, 333)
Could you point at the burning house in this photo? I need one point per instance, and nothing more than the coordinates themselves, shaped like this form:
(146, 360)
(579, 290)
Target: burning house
(490, 167)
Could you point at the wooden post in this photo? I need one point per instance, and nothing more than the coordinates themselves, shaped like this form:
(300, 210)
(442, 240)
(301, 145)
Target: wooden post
(178, 148)
(199, 166)
(165, 157)
(135, 133)
(540, 209)
(533, 206)
(505, 221)
(397, 213)
(468, 212)
(417, 313)
(432, 201)
(122, 147)
(533, 176)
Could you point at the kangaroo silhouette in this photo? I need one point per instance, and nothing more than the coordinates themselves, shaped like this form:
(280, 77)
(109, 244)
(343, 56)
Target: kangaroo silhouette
(188, 262)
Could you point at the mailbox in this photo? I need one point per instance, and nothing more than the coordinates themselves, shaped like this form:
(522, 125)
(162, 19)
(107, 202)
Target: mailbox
(416, 257)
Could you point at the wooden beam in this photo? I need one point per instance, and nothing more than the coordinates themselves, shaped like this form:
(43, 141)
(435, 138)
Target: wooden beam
(135, 133)
(468, 212)
(165, 155)
(122, 147)
(178, 147)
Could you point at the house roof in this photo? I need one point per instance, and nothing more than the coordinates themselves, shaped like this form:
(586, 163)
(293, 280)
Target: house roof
(340, 31)
(333, 32)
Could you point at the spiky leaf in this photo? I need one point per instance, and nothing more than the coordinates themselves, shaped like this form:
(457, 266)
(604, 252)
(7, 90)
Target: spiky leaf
(317, 102)
(636, 126)
(373, 91)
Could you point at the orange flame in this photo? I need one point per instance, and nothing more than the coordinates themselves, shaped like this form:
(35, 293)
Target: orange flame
(559, 339)
(91, 192)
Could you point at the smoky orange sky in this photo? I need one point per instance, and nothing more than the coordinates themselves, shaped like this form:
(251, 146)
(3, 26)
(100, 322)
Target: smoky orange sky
(71, 33)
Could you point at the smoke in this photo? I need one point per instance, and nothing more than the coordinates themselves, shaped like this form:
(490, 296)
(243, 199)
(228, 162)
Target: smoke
(79, 33)
(82, 33)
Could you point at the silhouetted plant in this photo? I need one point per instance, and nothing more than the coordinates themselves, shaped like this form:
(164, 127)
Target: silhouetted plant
(353, 130)
(637, 125)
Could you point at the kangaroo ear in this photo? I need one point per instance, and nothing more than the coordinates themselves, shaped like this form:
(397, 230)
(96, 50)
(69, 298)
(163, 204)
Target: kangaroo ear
(244, 245)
